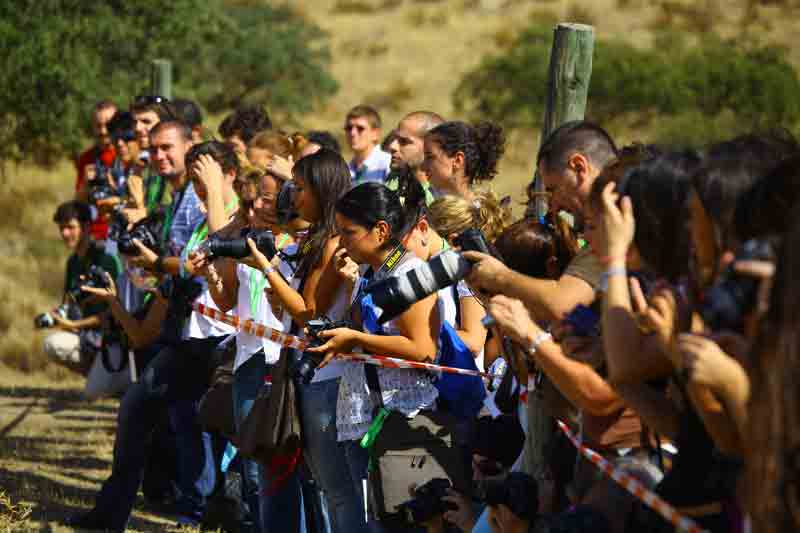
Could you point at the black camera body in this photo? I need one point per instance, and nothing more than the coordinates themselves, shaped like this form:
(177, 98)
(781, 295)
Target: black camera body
(46, 320)
(396, 294)
(147, 231)
(427, 502)
(95, 277)
(305, 367)
(99, 188)
(237, 248)
(518, 491)
(284, 204)
(733, 297)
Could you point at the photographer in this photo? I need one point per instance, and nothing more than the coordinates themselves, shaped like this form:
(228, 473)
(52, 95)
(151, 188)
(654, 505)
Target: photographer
(178, 375)
(569, 161)
(98, 157)
(301, 286)
(80, 318)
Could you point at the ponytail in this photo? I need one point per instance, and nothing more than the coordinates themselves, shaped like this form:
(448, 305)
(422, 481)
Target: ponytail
(369, 203)
(482, 144)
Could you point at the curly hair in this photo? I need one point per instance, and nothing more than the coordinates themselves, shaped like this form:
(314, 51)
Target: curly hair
(482, 144)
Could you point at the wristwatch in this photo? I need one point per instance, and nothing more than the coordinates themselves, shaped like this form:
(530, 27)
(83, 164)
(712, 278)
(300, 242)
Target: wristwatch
(538, 340)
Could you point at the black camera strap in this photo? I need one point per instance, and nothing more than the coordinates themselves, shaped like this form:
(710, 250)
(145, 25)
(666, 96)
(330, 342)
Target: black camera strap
(389, 264)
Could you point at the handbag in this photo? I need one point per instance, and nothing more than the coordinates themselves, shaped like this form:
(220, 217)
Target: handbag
(409, 452)
(108, 375)
(215, 410)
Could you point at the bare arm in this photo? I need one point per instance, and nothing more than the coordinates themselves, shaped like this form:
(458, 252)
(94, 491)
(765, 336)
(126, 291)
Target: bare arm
(653, 407)
(417, 342)
(472, 331)
(223, 284)
(145, 332)
(548, 300)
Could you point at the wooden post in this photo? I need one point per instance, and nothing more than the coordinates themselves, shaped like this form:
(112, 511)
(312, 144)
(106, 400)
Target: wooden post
(161, 78)
(567, 85)
(568, 88)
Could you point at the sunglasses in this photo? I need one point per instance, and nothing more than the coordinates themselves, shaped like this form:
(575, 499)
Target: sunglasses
(358, 127)
(150, 99)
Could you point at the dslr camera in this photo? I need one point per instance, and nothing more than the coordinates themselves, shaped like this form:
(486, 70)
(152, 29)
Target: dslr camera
(305, 367)
(427, 502)
(147, 231)
(95, 277)
(237, 248)
(396, 294)
(518, 492)
(733, 297)
(284, 204)
(46, 320)
(99, 188)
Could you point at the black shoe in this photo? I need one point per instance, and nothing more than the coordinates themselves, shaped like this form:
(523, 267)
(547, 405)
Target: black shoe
(92, 521)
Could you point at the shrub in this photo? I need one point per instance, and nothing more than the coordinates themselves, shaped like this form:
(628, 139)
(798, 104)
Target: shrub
(67, 54)
(754, 84)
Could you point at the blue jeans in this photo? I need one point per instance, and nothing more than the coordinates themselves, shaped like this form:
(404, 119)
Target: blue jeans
(282, 511)
(326, 457)
(177, 374)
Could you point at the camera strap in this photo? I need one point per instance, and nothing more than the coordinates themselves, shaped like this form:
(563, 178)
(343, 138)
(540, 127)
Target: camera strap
(389, 264)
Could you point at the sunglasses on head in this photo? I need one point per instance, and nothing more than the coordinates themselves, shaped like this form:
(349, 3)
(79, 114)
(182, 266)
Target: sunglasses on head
(359, 127)
(149, 99)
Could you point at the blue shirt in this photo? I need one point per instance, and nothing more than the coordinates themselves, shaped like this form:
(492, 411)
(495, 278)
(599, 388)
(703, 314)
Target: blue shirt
(187, 216)
(374, 168)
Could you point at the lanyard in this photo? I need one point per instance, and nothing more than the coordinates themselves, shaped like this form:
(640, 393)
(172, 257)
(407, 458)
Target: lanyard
(389, 264)
(258, 282)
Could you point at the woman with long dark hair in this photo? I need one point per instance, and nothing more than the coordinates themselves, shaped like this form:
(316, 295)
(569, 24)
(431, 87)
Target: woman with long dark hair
(306, 286)
(372, 224)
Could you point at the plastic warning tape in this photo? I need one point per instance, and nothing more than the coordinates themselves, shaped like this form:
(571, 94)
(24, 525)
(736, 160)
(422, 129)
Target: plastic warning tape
(290, 341)
(634, 486)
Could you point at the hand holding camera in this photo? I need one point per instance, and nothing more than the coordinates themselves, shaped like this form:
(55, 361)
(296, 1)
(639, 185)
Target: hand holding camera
(106, 292)
(317, 330)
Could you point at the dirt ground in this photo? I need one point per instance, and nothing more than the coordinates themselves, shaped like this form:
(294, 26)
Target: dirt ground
(55, 450)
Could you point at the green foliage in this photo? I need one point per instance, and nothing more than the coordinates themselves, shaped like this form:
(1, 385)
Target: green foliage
(751, 86)
(67, 54)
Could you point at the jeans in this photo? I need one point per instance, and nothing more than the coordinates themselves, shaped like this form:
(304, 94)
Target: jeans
(177, 373)
(326, 457)
(283, 510)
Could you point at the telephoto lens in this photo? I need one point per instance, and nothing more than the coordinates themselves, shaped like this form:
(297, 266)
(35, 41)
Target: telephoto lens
(396, 294)
(237, 248)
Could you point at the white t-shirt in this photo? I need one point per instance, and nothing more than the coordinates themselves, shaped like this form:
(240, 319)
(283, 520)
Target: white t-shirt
(201, 327)
(247, 344)
(446, 302)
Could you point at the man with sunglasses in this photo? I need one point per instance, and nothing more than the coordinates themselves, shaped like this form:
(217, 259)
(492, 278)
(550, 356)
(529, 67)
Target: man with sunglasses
(362, 129)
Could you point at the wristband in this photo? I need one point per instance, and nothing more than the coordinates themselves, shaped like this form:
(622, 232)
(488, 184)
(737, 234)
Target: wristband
(608, 259)
(158, 267)
(610, 273)
(269, 270)
(538, 340)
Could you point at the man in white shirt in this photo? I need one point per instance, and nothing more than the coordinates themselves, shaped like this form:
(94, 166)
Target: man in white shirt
(362, 129)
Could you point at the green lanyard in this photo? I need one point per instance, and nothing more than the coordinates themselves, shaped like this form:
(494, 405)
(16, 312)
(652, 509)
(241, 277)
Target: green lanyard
(258, 282)
(198, 235)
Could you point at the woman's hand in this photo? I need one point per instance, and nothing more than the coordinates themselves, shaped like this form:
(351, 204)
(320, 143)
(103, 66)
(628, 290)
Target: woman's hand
(660, 318)
(146, 259)
(463, 517)
(346, 268)
(513, 319)
(337, 340)
(280, 167)
(259, 260)
(105, 294)
(618, 225)
(208, 172)
(704, 362)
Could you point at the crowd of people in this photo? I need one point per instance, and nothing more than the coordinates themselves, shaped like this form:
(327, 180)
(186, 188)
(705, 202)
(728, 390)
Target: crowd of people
(376, 344)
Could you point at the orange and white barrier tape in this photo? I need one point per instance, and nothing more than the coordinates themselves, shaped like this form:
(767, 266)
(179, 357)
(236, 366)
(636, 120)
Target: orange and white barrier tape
(290, 341)
(634, 486)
